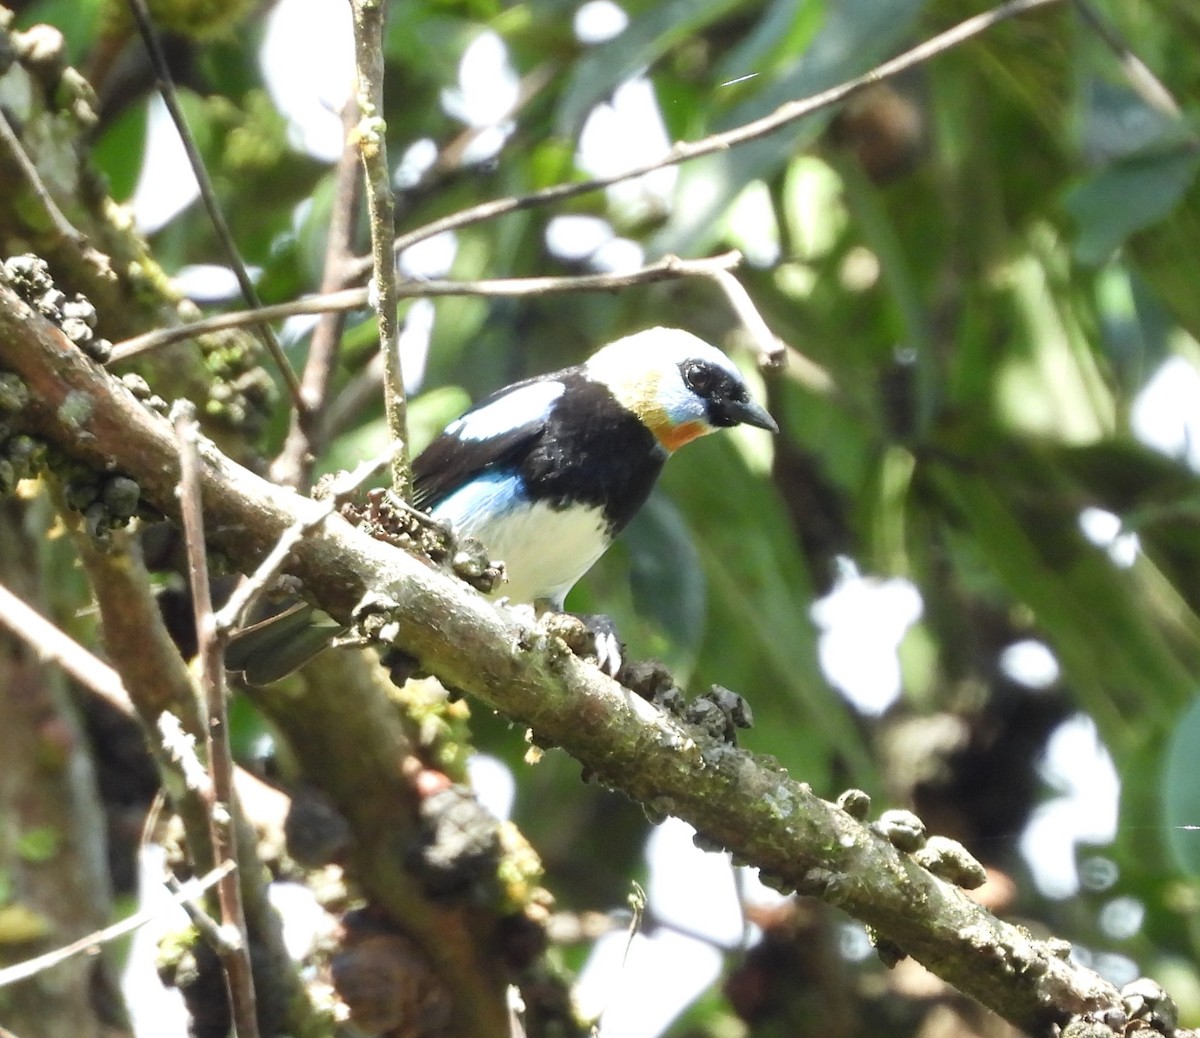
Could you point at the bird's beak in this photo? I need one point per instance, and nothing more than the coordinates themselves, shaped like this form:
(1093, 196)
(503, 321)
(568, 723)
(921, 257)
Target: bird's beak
(750, 412)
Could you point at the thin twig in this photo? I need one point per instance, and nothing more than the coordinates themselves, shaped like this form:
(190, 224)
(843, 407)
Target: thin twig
(244, 595)
(193, 888)
(381, 205)
(808, 373)
(33, 179)
(684, 151)
(1138, 74)
(667, 268)
(53, 645)
(166, 85)
(305, 438)
(772, 350)
(218, 937)
(11, 144)
(210, 656)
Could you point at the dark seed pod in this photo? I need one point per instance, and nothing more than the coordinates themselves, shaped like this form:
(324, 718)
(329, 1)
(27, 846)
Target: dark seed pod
(671, 700)
(28, 275)
(80, 493)
(855, 803)
(1145, 1000)
(79, 309)
(100, 350)
(50, 302)
(707, 716)
(137, 385)
(317, 833)
(904, 830)
(890, 953)
(77, 331)
(26, 454)
(120, 497)
(951, 861)
(733, 706)
(460, 843)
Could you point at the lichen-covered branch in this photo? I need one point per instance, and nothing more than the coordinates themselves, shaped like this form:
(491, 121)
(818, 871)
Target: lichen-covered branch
(734, 799)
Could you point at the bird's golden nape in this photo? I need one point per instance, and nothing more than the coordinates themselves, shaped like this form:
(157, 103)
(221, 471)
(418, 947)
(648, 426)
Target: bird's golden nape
(546, 472)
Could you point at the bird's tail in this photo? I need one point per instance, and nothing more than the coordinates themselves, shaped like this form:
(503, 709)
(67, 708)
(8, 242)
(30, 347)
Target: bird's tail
(273, 648)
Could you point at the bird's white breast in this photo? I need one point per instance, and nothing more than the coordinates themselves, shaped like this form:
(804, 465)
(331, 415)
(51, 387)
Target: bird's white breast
(544, 550)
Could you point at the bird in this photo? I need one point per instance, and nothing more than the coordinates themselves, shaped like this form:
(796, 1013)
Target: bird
(547, 471)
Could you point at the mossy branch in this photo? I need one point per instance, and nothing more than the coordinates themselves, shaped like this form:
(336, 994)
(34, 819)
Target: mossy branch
(748, 805)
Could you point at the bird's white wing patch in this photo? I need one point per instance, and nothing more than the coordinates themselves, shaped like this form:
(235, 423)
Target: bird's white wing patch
(518, 407)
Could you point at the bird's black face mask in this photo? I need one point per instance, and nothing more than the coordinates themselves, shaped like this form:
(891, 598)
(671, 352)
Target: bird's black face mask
(726, 399)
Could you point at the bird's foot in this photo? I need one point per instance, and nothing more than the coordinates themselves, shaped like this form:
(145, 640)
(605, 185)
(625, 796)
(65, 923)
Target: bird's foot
(590, 635)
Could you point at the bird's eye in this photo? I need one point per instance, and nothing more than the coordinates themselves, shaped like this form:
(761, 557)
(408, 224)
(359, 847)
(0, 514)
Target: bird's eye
(699, 378)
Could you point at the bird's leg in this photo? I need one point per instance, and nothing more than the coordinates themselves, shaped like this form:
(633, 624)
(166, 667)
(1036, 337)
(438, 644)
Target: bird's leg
(606, 644)
(590, 635)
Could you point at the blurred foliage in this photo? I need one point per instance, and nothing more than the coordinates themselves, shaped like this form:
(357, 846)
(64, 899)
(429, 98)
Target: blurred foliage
(990, 256)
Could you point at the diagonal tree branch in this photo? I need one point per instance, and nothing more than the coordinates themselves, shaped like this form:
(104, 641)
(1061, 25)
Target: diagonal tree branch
(53, 645)
(185, 892)
(735, 800)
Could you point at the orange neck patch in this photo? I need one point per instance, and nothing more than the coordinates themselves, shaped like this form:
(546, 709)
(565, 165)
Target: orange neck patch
(675, 436)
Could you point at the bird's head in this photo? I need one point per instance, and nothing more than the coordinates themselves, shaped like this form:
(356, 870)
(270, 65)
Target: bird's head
(677, 384)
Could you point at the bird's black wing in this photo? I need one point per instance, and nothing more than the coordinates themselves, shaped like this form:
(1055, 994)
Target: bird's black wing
(451, 461)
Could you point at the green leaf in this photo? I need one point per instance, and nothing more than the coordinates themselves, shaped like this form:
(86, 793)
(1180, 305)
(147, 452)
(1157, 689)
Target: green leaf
(39, 844)
(1117, 122)
(1127, 642)
(647, 37)
(759, 639)
(665, 572)
(1181, 791)
(118, 153)
(1130, 195)
(248, 732)
(856, 34)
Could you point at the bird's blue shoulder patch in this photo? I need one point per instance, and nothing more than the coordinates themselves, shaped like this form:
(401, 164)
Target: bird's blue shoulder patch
(482, 501)
(523, 405)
